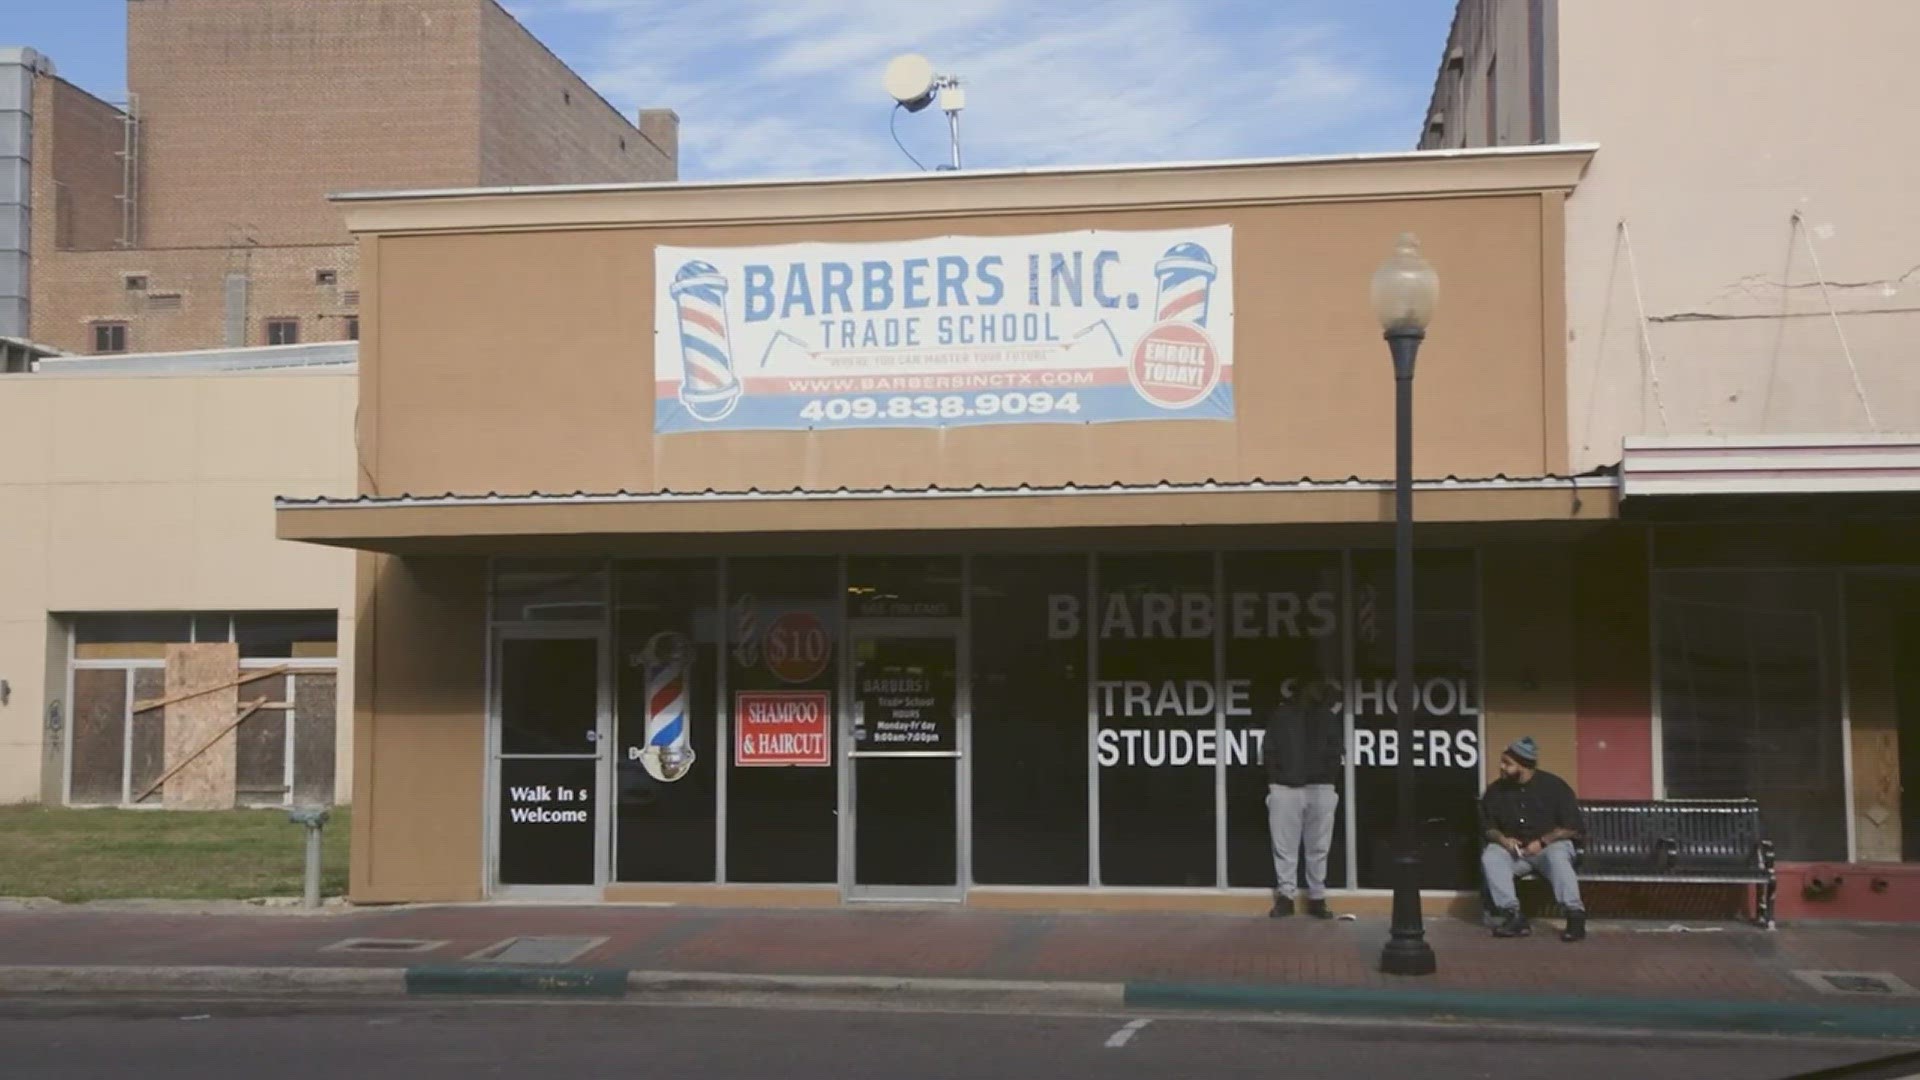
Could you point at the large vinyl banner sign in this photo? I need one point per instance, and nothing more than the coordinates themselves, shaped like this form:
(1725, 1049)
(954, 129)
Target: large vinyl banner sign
(1082, 327)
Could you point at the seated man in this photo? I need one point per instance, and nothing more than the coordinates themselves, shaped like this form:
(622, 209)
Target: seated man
(1530, 818)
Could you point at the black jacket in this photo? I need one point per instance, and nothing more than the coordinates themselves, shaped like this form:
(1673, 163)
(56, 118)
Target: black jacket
(1304, 744)
(1531, 810)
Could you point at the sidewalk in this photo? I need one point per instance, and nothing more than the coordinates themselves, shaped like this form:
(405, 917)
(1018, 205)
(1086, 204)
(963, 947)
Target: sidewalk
(1643, 968)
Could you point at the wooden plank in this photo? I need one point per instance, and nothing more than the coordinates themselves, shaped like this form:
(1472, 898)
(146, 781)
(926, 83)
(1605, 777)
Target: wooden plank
(174, 697)
(248, 710)
(200, 764)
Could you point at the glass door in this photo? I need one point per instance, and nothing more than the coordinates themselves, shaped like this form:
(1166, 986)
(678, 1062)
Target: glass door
(550, 727)
(904, 744)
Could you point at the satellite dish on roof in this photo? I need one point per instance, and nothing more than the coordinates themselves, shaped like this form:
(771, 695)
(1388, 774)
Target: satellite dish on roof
(910, 81)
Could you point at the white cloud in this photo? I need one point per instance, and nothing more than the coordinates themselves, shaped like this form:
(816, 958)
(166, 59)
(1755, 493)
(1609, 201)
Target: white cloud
(791, 87)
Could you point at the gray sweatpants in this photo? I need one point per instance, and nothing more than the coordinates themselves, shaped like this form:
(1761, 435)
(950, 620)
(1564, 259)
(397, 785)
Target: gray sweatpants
(1294, 815)
(1555, 863)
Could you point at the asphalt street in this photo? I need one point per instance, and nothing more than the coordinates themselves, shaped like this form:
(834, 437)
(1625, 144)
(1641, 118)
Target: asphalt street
(369, 1041)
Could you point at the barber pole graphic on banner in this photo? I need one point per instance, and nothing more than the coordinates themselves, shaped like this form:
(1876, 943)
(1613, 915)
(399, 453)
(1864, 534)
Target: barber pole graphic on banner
(1073, 328)
(708, 387)
(667, 753)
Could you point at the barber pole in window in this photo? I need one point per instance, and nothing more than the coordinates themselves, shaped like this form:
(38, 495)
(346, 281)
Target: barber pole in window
(668, 750)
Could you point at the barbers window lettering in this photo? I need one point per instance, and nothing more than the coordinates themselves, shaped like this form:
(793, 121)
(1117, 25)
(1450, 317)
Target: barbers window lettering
(1191, 615)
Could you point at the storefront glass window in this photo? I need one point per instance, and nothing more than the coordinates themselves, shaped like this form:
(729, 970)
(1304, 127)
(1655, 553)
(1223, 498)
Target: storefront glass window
(897, 587)
(1749, 699)
(550, 590)
(1029, 754)
(1281, 623)
(783, 635)
(1446, 730)
(283, 635)
(1156, 699)
(666, 656)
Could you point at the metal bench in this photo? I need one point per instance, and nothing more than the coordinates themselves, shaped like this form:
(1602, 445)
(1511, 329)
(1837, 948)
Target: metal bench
(1679, 842)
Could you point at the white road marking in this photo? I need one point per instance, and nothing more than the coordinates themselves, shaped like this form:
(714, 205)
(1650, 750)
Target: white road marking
(1127, 1031)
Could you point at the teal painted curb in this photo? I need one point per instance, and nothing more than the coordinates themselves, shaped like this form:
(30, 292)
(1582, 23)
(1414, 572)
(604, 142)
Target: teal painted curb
(482, 979)
(1776, 1018)
(1759, 1017)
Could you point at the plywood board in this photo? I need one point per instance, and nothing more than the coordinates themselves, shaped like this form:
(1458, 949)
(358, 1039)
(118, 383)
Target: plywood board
(206, 782)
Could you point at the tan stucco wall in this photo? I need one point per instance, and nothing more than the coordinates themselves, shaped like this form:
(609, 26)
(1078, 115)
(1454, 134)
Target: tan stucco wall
(419, 730)
(1717, 121)
(155, 493)
(514, 361)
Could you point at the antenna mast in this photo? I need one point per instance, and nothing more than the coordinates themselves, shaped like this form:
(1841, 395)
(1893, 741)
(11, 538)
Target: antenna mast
(914, 85)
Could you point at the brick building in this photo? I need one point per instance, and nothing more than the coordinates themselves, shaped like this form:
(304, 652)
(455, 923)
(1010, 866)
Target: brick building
(195, 216)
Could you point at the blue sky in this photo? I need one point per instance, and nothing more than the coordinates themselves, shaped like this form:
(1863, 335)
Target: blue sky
(792, 87)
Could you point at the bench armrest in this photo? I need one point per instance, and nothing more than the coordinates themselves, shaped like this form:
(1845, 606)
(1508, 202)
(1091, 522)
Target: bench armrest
(1766, 855)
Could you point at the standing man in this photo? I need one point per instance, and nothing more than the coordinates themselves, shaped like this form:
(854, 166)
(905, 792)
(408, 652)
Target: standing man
(1302, 752)
(1530, 818)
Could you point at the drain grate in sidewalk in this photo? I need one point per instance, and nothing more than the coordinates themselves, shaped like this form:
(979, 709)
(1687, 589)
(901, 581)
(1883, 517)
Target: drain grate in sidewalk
(383, 945)
(1860, 983)
(538, 950)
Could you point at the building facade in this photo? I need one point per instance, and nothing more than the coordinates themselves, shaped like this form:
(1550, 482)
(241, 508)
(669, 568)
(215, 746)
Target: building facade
(809, 650)
(1741, 313)
(194, 215)
(135, 511)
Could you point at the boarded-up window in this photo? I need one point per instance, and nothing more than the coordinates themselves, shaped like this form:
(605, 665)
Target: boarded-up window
(281, 755)
(149, 733)
(99, 735)
(314, 731)
(260, 763)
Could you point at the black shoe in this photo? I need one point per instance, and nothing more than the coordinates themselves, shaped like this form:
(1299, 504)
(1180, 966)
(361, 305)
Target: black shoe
(1576, 927)
(1514, 925)
(1318, 909)
(1282, 907)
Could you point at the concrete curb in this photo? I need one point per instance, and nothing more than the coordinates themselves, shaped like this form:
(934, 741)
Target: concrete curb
(1756, 1017)
(960, 993)
(1772, 1018)
(520, 981)
(201, 980)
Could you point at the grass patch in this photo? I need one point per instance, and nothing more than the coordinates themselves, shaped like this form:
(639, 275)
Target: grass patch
(108, 854)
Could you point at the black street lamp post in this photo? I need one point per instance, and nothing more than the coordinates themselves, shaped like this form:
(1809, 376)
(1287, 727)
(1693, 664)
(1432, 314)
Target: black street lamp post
(1405, 290)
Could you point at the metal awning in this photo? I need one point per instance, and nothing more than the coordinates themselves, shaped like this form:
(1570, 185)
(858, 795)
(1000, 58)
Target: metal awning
(1770, 465)
(419, 523)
